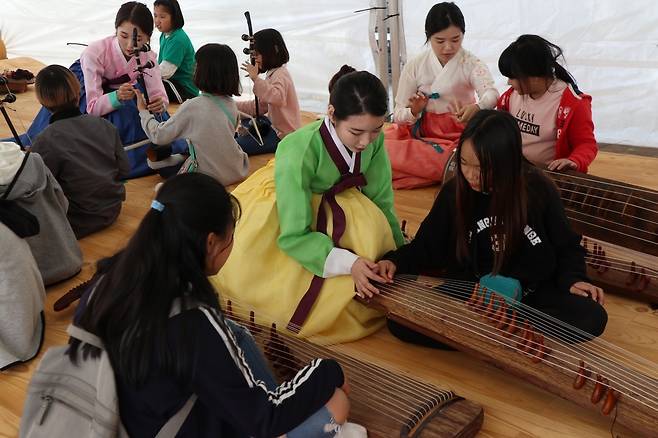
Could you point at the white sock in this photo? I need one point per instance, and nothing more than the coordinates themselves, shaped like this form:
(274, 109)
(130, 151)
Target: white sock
(171, 160)
(351, 430)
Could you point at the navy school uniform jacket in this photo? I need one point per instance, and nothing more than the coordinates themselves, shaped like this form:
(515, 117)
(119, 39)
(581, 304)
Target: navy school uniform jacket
(231, 402)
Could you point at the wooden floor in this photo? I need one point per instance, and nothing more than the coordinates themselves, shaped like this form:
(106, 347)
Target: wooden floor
(512, 408)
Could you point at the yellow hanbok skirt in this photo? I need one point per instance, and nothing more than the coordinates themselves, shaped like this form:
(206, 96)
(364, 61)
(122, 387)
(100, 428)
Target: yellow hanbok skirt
(259, 276)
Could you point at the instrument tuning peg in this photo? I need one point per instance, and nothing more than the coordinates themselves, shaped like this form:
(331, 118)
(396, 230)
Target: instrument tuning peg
(246, 51)
(246, 37)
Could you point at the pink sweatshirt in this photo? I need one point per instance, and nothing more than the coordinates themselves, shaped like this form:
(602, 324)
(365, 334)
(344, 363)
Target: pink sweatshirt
(103, 59)
(276, 97)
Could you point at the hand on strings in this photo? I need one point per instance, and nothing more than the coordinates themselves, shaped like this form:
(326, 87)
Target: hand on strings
(585, 289)
(126, 92)
(156, 105)
(562, 164)
(252, 70)
(417, 103)
(387, 269)
(141, 102)
(362, 272)
(465, 113)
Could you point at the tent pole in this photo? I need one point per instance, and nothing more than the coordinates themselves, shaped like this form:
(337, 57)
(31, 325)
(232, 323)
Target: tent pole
(394, 20)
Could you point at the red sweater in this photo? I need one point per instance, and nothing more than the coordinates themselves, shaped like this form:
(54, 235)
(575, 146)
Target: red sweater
(575, 129)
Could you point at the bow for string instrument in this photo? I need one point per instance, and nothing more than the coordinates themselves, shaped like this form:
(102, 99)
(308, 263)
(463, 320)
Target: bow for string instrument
(523, 341)
(258, 127)
(388, 404)
(619, 224)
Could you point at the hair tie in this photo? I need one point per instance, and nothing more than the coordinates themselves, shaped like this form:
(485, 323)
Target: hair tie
(157, 205)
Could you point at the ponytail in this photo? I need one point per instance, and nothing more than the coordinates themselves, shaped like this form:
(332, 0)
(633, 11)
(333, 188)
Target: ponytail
(562, 74)
(165, 260)
(532, 55)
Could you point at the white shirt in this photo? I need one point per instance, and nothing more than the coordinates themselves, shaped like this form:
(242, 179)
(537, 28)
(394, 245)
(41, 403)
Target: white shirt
(456, 82)
(167, 69)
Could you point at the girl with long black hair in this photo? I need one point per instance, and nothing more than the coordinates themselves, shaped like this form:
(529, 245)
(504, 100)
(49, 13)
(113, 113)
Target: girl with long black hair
(159, 361)
(501, 221)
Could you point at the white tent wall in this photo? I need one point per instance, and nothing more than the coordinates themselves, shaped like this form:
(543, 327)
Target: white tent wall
(320, 36)
(610, 46)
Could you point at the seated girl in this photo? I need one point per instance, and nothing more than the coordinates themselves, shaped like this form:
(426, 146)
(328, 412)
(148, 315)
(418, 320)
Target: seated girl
(176, 56)
(208, 121)
(435, 97)
(501, 216)
(554, 116)
(22, 294)
(276, 94)
(186, 236)
(294, 260)
(108, 73)
(25, 179)
(83, 152)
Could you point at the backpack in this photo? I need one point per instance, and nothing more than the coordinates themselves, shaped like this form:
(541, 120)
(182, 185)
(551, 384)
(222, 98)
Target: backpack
(67, 400)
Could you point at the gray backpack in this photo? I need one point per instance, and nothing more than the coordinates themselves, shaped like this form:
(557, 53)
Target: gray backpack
(67, 400)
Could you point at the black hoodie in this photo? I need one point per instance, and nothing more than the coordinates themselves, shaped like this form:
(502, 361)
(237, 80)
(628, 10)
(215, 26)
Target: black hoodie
(550, 256)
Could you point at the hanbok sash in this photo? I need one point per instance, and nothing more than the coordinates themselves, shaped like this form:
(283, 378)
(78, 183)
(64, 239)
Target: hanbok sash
(347, 180)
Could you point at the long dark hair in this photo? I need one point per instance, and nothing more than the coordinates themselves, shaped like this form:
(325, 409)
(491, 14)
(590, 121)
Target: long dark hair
(359, 92)
(137, 14)
(441, 16)
(534, 56)
(164, 260)
(496, 141)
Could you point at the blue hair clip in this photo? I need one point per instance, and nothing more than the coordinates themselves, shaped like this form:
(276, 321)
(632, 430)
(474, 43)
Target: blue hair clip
(157, 205)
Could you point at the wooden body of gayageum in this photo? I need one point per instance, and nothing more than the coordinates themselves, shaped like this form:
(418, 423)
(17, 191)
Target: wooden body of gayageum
(387, 403)
(593, 374)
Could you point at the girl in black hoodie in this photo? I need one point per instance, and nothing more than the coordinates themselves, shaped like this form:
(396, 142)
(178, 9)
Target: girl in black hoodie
(500, 216)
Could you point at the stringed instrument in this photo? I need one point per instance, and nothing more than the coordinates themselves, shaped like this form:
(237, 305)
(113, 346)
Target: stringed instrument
(388, 404)
(525, 342)
(619, 224)
(257, 127)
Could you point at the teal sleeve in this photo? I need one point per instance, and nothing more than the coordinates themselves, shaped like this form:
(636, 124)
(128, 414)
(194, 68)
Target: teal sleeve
(379, 187)
(174, 50)
(293, 172)
(114, 100)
